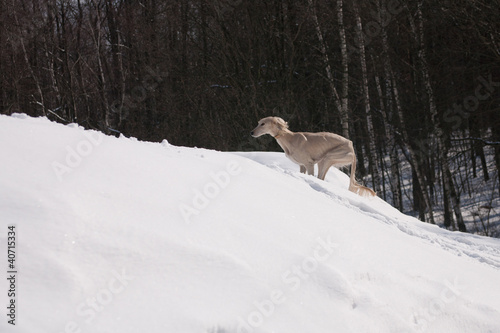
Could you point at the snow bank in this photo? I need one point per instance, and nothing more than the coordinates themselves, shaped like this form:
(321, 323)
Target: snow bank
(118, 235)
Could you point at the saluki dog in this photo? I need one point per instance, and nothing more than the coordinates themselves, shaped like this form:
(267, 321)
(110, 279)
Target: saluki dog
(308, 149)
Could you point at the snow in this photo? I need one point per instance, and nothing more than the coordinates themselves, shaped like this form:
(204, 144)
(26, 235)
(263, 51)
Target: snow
(119, 235)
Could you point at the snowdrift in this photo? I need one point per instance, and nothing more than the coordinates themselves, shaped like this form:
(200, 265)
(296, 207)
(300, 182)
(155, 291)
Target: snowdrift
(118, 235)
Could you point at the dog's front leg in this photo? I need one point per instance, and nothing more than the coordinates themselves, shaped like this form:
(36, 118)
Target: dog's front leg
(302, 169)
(310, 169)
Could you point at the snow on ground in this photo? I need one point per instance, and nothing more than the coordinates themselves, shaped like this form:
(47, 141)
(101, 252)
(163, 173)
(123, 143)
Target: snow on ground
(118, 235)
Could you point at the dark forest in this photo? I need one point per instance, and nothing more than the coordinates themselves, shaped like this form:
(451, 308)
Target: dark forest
(414, 84)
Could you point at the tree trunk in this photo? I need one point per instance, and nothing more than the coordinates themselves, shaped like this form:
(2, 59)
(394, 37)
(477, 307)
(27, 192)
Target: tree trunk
(418, 205)
(395, 181)
(95, 32)
(30, 67)
(68, 88)
(79, 66)
(372, 150)
(413, 154)
(422, 184)
(449, 222)
(344, 114)
(51, 54)
(477, 149)
(418, 33)
(118, 84)
(340, 102)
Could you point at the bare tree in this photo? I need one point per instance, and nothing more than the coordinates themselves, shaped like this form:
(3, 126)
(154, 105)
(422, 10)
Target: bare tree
(372, 150)
(344, 97)
(96, 18)
(442, 150)
(341, 102)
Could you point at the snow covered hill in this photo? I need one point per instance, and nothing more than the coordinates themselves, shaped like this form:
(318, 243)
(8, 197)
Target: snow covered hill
(118, 235)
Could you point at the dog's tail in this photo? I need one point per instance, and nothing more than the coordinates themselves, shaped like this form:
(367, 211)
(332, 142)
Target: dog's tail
(358, 188)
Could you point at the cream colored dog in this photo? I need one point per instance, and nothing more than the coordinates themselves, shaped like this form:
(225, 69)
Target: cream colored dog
(308, 149)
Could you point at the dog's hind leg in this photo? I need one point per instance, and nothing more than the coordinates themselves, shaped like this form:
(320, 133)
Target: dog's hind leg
(323, 167)
(302, 169)
(333, 158)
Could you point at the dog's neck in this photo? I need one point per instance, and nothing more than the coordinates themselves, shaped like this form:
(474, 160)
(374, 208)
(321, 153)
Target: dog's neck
(282, 138)
(282, 132)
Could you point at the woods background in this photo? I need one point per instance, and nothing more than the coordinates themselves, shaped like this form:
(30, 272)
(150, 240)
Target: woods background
(414, 84)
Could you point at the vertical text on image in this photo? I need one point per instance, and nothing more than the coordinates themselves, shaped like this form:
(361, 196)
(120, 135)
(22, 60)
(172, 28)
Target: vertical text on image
(11, 274)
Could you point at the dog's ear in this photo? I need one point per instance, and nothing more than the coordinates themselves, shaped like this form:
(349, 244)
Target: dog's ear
(281, 122)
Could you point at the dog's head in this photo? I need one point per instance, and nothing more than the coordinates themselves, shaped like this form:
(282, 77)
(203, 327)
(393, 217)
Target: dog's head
(270, 125)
